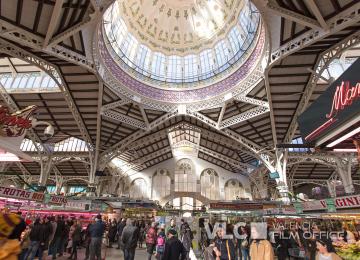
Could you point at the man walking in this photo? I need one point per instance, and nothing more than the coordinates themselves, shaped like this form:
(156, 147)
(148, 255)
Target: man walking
(96, 232)
(150, 240)
(129, 239)
(120, 229)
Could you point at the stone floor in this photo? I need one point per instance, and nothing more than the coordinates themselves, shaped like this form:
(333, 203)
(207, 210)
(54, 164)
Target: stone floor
(109, 254)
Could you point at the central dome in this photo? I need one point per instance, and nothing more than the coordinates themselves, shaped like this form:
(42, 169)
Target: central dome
(178, 26)
(179, 51)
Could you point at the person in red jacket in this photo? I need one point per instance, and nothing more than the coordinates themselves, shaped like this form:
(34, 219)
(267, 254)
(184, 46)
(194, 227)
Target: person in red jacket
(150, 240)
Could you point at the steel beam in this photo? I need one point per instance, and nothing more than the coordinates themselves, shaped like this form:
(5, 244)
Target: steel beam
(316, 12)
(55, 16)
(344, 19)
(251, 113)
(122, 118)
(292, 16)
(115, 104)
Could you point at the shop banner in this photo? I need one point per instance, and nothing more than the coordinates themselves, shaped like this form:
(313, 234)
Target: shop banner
(21, 194)
(352, 201)
(58, 200)
(338, 104)
(79, 205)
(236, 206)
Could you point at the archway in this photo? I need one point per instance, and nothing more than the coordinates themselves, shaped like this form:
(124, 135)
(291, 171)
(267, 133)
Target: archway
(209, 183)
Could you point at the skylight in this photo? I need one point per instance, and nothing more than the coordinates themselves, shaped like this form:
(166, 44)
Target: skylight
(154, 65)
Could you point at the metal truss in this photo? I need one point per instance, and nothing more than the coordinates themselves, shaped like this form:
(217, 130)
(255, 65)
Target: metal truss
(252, 101)
(337, 23)
(297, 182)
(328, 159)
(119, 147)
(251, 113)
(322, 63)
(292, 16)
(55, 16)
(54, 72)
(124, 119)
(315, 10)
(23, 37)
(115, 104)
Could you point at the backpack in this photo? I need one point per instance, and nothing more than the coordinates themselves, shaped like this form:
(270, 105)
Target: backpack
(160, 244)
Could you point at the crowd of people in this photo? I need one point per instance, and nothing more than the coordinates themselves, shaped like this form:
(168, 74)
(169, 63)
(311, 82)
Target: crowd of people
(281, 244)
(54, 236)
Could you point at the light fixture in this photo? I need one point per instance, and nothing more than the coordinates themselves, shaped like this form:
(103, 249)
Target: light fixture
(344, 137)
(345, 150)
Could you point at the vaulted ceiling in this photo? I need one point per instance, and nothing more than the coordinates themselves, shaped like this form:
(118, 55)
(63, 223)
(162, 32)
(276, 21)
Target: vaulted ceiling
(60, 33)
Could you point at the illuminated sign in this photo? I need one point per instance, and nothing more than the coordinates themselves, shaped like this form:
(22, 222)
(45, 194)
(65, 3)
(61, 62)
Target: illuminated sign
(336, 106)
(13, 125)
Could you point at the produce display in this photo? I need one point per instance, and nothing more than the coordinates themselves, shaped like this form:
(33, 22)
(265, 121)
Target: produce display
(348, 251)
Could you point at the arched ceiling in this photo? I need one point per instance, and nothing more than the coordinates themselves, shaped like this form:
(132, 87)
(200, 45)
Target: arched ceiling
(60, 33)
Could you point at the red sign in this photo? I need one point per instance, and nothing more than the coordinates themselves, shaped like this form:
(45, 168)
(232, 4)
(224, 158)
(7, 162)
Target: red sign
(340, 203)
(57, 200)
(236, 206)
(21, 194)
(13, 125)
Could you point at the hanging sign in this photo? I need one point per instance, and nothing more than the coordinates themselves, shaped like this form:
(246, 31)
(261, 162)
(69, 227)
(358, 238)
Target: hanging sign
(21, 194)
(59, 200)
(15, 124)
(338, 104)
(346, 202)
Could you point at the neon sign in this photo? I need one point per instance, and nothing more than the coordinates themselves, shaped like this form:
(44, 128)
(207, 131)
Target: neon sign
(343, 97)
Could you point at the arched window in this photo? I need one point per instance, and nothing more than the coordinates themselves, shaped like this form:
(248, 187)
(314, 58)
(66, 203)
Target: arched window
(138, 189)
(161, 184)
(233, 189)
(209, 181)
(185, 178)
(186, 203)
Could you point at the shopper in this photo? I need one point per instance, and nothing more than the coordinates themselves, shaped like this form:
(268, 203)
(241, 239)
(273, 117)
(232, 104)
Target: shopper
(52, 239)
(96, 232)
(211, 252)
(186, 238)
(261, 249)
(25, 243)
(112, 232)
(160, 242)
(9, 248)
(225, 246)
(120, 229)
(37, 239)
(55, 244)
(142, 234)
(326, 250)
(129, 239)
(88, 240)
(244, 243)
(173, 227)
(48, 232)
(76, 239)
(150, 240)
(174, 249)
(19, 228)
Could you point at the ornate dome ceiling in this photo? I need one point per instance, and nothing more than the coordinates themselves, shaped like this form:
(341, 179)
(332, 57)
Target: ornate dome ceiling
(179, 26)
(179, 51)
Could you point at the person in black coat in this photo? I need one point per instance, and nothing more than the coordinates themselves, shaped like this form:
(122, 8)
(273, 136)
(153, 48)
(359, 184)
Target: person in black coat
(120, 229)
(174, 249)
(19, 228)
(37, 240)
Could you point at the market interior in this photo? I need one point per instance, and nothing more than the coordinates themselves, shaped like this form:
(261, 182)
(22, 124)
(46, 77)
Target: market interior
(134, 129)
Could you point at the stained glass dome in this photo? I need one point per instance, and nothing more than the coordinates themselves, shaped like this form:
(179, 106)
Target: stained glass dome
(179, 51)
(182, 43)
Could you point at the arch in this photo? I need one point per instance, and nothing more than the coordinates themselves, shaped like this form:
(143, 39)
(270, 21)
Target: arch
(194, 195)
(138, 189)
(209, 184)
(233, 189)
(185, 177)
(76, 179)
(161, 183)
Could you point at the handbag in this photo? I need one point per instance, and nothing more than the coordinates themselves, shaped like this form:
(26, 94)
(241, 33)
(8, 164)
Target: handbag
(244, 243)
